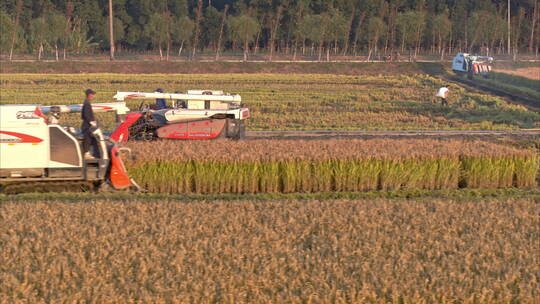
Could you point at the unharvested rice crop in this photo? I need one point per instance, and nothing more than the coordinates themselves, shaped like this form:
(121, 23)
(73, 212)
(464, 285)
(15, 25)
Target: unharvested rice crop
(328, 165)
(359, 251)
(292, 101)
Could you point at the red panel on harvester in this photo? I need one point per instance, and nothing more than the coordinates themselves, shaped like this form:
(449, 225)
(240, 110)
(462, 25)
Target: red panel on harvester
(118, 173)
(121, 134)
(174, 131)
(200, 129)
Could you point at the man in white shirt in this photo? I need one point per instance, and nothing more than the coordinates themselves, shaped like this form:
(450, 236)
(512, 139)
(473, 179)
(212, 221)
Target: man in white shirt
(442, 93)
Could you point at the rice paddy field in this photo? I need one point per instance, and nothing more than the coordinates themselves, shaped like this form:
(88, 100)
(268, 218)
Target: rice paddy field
(293, 101)
(332, 251)
(288, 221)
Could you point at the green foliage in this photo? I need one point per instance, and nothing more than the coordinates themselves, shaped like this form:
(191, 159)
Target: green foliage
(6, 31)
(183, 29)
(375, 24)
(407, 22)
(157, 30)
(243, 28)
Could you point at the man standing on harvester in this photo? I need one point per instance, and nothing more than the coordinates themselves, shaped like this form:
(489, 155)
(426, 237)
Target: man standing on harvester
(88, 122)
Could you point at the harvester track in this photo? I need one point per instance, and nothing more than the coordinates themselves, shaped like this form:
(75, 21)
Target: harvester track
(47, 186)
(515, 98)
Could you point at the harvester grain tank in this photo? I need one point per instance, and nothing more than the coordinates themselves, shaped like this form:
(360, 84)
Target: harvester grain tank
(34, 150)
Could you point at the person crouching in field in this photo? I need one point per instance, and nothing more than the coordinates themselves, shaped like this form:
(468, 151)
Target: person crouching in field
(442, 93)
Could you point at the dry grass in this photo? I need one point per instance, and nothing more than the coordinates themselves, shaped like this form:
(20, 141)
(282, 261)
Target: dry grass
(530, 72)
(328, 165)
(343, 251)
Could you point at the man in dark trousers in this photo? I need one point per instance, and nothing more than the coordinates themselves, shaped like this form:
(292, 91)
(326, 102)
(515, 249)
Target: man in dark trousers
(160, 102)
(88, 122)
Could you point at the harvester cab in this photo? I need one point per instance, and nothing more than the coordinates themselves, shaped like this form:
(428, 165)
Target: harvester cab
(197, 114)
(35, 149)
(472, 64)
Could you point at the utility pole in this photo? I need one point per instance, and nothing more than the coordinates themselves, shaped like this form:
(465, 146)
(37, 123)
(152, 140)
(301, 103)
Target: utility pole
(111, 33)
(508, 26)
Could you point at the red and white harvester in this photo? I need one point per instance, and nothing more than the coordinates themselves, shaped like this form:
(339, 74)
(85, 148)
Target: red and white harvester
(35, 149)
(198, 114)
(469, 64)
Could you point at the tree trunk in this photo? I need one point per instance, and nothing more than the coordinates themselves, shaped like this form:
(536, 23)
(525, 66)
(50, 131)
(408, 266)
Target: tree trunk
(223, 19)
(393, 15)
(295, 49)
(39, 51)
(273, 30)
(160, 53)
(442, 54)
(15, 28)
(56, 50)
(320, 50)
(246, 46)
(369, 55)
(533, 25)
(357, 32)
(256, 50)
(181, 47)
(69, 12)
(197, 29)
(328, 52)
(168, 48)
(348, 34)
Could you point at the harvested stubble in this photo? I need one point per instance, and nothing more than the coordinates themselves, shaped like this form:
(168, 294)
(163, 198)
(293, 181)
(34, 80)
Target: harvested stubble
(292, 101)
(328, 165)
(360, 251)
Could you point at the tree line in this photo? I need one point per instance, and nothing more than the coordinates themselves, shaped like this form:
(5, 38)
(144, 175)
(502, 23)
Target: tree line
(317, 28)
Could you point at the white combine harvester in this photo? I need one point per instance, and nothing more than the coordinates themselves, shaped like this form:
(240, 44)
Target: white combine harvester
(199, 114)
(465, 63)
(36, 149)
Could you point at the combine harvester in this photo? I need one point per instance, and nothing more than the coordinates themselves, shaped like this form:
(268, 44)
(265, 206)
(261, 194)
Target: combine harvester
(471, 65)
(199, 114)
(34, 150)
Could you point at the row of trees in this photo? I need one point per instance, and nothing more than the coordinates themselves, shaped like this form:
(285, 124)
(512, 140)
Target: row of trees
(294, 27)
